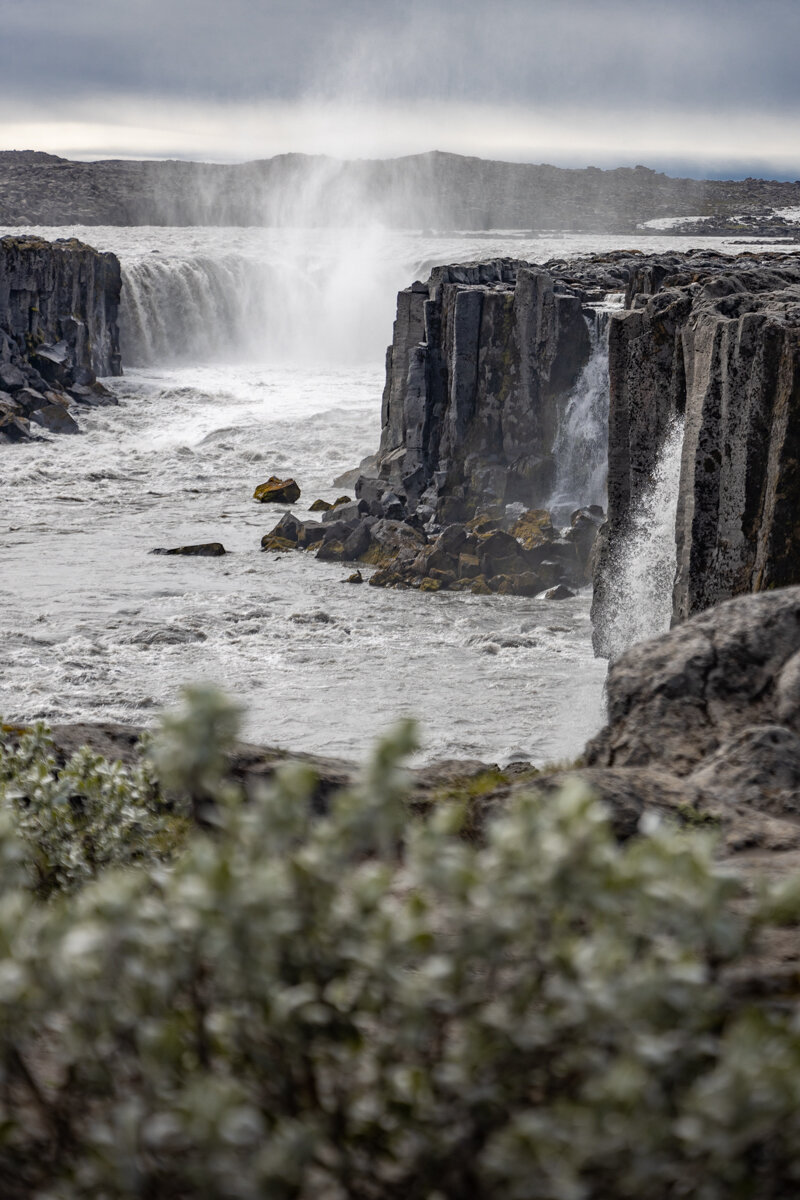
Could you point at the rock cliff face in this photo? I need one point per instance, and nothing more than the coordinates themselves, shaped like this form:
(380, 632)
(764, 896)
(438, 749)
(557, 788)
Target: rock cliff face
(716, 342)
(482, 363)
(58, 331)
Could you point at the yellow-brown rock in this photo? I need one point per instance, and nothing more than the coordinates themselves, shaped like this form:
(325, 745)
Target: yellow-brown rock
(534, 528)
(277, 491)
(272, 542)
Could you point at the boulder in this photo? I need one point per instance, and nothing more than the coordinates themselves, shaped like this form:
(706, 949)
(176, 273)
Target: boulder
(277, 491)
(309, 533)
(14, 428)
(288, 528)
(320, 506)
(30, 399)
(53, 363)
(55, 418)
(534, 527)
(332, 550)
(358, 542)
(11, 377)
(694, 693)
(350, 510)
(560, 592)
(202, 550)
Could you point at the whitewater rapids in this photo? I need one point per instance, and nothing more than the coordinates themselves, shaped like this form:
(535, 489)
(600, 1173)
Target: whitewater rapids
(260, 352)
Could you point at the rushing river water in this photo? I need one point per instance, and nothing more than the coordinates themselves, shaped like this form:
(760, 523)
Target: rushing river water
(250, 352)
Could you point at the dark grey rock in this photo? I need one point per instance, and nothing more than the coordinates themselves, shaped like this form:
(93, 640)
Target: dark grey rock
(55, 418)
(351, 511)
(358, 542)
(11, 377)
(201, 550)
(711, 340)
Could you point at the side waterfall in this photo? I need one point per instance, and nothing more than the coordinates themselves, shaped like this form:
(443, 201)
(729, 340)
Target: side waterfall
(639, 577)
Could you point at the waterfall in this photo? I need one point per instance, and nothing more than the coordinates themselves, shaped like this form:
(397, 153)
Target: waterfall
(581, 445)
(639, 575)
(332, 301)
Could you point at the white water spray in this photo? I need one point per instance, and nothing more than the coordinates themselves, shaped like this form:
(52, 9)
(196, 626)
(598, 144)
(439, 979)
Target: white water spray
(637, 590)
(581, 445)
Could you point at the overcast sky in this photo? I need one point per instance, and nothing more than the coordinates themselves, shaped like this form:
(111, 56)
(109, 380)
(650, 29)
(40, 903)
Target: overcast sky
(687, 86)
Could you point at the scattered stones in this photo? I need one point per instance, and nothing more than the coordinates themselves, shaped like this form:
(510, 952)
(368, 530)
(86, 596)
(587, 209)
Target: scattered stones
(277, 491)
(202, 550)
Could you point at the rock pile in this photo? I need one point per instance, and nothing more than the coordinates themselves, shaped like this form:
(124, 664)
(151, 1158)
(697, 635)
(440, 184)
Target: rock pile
(508, 550)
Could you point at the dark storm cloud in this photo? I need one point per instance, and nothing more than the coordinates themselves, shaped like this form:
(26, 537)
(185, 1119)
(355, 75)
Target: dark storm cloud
(681, 53)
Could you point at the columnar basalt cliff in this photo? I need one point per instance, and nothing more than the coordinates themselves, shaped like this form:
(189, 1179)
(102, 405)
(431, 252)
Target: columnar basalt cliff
(58, 331)
(714, 341)
(482, 363)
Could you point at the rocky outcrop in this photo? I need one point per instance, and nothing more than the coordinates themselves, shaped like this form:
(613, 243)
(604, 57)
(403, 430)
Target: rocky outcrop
(482, 364)
(704, 726)
(58, 331)
(714, 341)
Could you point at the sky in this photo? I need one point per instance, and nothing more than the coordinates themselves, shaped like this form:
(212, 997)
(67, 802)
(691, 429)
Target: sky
(697, 87)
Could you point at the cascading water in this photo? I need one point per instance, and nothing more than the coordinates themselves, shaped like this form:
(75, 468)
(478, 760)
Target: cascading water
(327, 299)
(581, 445)
(637, 587)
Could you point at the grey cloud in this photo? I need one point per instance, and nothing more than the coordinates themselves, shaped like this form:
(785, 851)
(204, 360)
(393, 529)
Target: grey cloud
(721, 54)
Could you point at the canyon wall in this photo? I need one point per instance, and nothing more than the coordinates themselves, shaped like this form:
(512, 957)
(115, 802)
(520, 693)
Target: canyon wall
(58, 331)
(482, 364)
(715, 342)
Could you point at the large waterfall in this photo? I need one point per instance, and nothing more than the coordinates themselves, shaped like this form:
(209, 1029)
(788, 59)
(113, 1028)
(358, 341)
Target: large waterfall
(327, 299)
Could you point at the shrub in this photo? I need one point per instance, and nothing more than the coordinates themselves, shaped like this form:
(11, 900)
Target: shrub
(363, 1006)
(86, 816)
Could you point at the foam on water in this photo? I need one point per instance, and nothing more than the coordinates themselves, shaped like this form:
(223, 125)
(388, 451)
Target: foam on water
(267, 379)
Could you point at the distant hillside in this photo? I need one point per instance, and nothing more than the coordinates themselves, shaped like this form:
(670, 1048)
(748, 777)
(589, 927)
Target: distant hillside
(432, 190)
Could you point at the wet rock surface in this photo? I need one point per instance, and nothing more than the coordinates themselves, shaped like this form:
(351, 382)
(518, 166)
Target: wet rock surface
(277, 491)
(714, 342)
(201, 550)
(483, 556)
(58, 330)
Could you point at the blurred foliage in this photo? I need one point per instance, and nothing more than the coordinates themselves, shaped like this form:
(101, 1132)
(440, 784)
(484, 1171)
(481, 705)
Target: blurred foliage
(363, 1006)
(86, 816)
